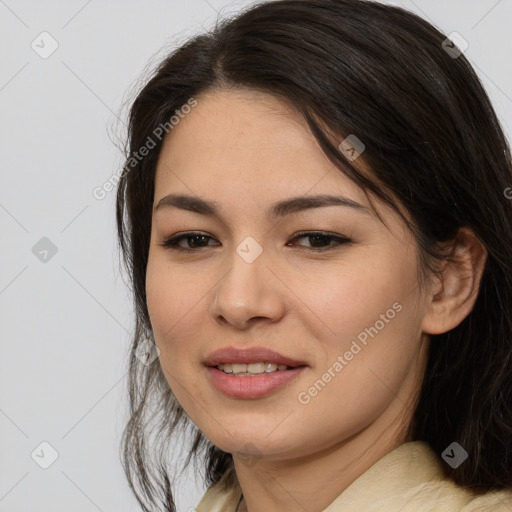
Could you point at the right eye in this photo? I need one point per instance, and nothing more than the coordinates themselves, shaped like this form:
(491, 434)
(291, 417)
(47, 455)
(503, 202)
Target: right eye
(197, 239)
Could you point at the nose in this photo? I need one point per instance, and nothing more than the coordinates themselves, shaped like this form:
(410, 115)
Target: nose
(248, 293)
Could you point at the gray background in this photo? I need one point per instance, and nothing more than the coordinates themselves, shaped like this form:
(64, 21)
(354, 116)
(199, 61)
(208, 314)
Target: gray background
(65, 322)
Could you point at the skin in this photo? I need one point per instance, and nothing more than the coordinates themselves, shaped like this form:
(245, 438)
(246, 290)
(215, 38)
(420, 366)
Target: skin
(247, 150)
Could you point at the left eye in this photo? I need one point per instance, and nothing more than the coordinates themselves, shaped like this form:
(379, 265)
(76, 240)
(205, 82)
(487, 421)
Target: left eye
(320, 238)
(195, 241)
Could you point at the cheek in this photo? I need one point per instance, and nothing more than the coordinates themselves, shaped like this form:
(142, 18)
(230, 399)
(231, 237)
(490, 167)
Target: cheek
(367, 313)
(341, 303)
(163, 300)
(358, 380)
(165, 295)
(177, 309)
(372, 344)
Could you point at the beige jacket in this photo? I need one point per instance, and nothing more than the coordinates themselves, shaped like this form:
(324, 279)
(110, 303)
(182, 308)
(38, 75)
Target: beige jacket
(408, 479)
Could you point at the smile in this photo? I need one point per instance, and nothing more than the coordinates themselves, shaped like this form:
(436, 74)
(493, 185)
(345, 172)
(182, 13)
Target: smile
(251, 368)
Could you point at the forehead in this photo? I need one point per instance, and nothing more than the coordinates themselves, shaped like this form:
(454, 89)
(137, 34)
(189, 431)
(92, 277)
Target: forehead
(247, 139)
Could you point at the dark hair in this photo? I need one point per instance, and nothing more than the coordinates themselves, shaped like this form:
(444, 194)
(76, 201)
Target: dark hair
(432, 140)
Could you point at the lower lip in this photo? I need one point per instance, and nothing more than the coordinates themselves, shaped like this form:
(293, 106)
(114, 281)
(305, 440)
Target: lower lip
(251, 387)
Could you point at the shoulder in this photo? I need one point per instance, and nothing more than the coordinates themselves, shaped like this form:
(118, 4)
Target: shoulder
(447, 497)
(411, 479)
(495, 501)
(433, 492)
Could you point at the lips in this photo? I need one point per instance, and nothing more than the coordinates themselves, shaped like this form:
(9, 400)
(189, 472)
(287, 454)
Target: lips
(250, 355)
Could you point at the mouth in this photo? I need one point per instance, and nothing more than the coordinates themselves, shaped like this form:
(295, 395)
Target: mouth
(251, 361)
(253, 369)
(252, 380)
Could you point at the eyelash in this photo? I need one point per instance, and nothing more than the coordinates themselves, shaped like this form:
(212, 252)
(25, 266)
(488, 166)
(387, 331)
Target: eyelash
(172, 242)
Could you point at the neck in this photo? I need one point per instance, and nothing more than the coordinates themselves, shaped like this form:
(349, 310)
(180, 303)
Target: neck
(273, 486)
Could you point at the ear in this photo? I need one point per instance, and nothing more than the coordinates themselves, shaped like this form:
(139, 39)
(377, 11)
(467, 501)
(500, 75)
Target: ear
(456, 287)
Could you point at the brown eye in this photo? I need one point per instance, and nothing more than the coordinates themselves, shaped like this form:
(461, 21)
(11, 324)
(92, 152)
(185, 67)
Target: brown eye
(321, 241)
(193, 241)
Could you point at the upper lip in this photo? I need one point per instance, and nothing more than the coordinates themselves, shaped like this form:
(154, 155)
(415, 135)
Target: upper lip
(249, 355)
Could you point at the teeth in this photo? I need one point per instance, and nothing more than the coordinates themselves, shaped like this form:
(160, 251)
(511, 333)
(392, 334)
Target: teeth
(252, 368)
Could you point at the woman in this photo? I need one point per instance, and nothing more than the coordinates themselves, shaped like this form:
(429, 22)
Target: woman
(315, 219)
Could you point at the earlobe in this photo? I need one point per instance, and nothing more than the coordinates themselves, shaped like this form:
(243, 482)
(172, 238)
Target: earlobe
(455, 289)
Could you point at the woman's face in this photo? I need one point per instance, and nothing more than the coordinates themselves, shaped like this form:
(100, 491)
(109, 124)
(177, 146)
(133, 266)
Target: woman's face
(352, 314)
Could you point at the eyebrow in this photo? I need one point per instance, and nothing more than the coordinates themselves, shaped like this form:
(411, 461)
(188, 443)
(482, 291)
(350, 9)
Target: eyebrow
(279, 209)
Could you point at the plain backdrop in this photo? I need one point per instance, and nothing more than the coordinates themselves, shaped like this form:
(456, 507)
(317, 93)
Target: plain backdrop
(66, 316)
